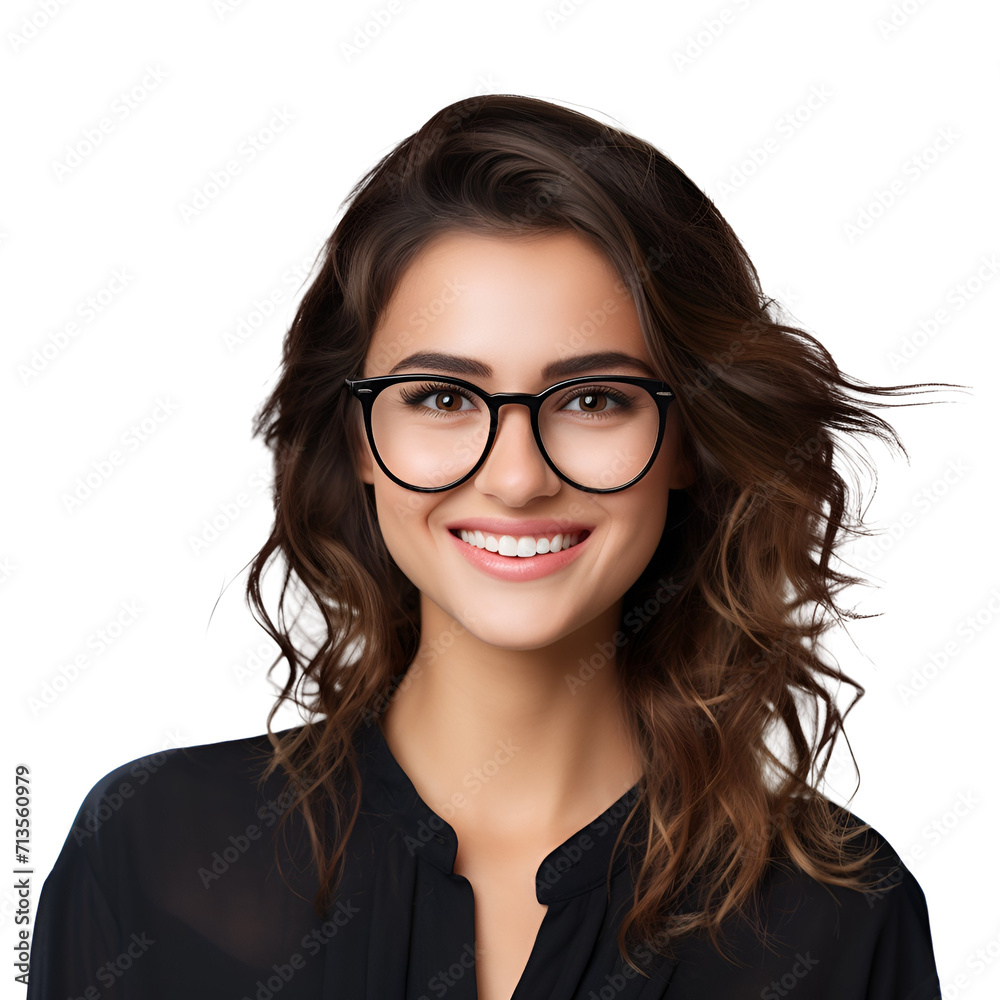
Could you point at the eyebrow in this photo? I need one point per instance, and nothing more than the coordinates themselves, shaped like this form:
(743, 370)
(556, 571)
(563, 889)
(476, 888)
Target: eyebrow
(579, 364)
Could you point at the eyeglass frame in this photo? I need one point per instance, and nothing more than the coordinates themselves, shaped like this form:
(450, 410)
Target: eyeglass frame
(365, 390)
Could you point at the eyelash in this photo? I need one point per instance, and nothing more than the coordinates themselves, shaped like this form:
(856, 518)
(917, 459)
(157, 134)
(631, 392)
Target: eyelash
(414, 395)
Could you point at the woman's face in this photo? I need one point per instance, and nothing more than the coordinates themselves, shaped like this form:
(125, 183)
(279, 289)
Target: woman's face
(516, 305)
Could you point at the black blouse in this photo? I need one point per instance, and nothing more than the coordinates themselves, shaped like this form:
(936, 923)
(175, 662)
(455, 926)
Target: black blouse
(166, 887)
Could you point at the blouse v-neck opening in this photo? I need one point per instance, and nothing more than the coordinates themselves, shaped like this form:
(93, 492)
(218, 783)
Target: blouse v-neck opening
(578, 865)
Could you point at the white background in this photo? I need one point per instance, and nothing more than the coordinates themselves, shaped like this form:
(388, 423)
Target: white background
(710, 84)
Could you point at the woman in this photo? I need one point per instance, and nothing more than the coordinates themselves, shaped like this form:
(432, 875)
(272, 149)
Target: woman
(562, 489)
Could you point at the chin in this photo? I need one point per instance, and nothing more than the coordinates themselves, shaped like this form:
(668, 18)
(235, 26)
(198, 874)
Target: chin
(499, 629)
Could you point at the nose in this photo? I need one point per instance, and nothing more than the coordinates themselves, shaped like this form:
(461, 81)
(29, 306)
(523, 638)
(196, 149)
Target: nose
(515, 470)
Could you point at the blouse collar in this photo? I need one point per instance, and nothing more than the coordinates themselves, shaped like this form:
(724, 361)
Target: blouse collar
(578, 865)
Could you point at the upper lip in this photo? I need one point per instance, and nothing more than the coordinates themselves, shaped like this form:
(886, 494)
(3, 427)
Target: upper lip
(501, 526)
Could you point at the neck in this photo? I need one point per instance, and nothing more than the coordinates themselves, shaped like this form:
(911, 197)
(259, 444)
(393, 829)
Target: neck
(513, 740)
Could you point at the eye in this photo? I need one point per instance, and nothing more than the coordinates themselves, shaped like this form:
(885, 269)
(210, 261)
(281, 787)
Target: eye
(597, 399)
(445, 397)
(589, 401)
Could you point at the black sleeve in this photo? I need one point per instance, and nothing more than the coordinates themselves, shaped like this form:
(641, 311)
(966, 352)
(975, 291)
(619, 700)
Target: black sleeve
(903, 966)
(76, 934)
(827, 942)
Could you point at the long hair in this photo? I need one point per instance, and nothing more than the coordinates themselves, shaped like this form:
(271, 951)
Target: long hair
(719, 669)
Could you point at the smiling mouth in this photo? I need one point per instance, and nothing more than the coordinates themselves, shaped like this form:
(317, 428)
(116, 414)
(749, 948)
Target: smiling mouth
(524, 546)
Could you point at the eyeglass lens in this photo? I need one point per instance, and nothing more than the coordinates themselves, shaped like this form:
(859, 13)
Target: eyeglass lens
(600, 435)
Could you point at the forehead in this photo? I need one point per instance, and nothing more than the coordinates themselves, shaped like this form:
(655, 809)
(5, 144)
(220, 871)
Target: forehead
(517, 304)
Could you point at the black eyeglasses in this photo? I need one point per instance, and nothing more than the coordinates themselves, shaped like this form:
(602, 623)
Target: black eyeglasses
(607, 447)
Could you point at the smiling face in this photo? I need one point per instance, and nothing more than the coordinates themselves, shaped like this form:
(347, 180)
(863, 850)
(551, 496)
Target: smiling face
(517, 306)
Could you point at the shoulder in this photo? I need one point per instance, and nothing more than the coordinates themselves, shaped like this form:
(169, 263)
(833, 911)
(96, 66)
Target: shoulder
(879, 934)
(209, 783)
(186, 841)
(203, 764)
(873, 942)
(884, 870)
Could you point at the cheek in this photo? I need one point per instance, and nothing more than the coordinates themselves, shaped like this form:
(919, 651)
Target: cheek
(402, 518)
(654, 487)
(648, 522)
(636, 521)
(359, 441)
(647, 513)
(400, 511)
(674, 457)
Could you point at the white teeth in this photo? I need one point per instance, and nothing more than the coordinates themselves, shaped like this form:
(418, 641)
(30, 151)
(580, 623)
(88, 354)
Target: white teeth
(524, 545)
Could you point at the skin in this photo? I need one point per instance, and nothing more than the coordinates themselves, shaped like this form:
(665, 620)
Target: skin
(494, 655)
(493, 682)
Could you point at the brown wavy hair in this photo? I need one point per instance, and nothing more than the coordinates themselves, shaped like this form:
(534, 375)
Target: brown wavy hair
(725, 662)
